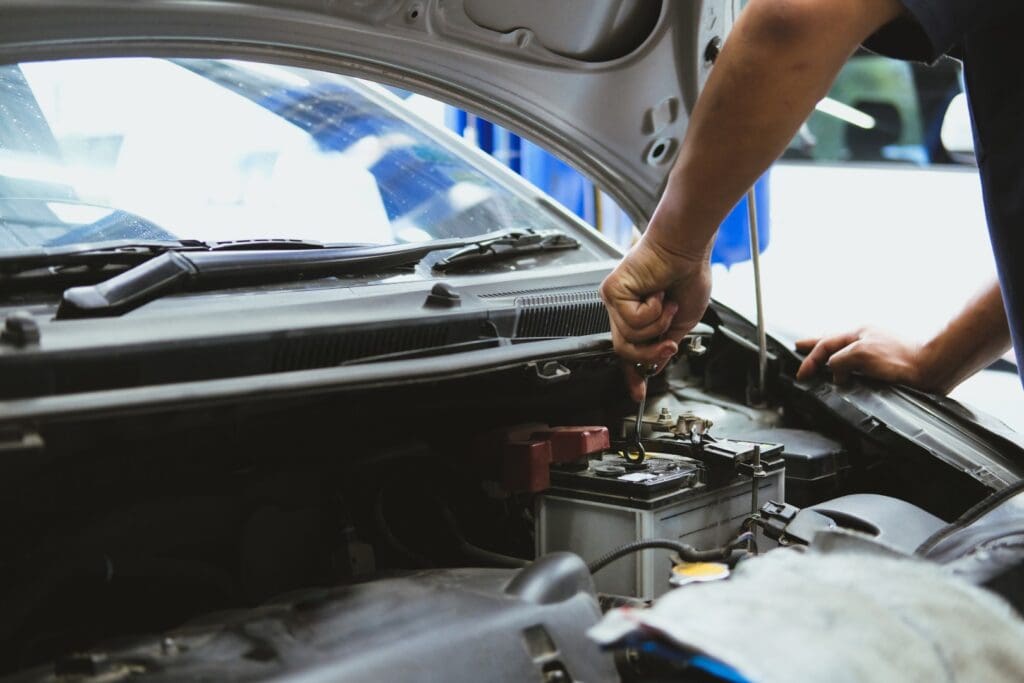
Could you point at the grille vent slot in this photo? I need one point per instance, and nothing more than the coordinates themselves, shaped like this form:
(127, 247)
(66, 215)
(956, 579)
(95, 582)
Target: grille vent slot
(562, 314)
(516, 292)
(327, 350)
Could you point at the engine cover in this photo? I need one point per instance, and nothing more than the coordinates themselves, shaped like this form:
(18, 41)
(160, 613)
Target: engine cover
(444, 625)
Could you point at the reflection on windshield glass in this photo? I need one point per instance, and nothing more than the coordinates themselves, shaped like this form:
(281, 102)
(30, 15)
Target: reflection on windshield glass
(220, 150)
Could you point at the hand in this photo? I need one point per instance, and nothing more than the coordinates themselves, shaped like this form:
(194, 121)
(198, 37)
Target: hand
(868, 352)
(654, 298)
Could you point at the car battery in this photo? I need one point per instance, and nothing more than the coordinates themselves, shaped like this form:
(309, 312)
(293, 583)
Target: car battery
(607, 505)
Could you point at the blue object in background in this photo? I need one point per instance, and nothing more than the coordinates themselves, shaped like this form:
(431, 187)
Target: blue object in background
(576, 193)
(559, 180)
(715, 669)
(733, 242)
(546, 171)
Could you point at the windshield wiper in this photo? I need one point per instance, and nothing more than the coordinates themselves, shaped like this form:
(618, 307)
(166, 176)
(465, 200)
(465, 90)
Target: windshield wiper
(510, 245)
(192, 268)
(113, 252)
(133, 252)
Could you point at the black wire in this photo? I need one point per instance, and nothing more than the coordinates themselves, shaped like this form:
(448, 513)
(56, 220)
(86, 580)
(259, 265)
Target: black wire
(474, 552)
(390, 538)
(686, 553)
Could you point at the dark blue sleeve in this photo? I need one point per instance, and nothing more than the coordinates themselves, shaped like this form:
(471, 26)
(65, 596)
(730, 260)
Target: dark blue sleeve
(932, 28)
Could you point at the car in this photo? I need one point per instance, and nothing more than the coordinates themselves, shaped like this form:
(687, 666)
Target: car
(295, 386)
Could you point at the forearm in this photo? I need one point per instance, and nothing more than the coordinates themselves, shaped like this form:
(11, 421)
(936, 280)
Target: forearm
(780, 59)
(971, 341)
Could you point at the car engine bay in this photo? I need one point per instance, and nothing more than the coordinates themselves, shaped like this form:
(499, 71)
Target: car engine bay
(296, 387)
(440, 527)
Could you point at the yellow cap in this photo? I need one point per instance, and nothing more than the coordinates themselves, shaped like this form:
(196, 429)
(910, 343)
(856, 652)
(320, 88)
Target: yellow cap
(693, 572)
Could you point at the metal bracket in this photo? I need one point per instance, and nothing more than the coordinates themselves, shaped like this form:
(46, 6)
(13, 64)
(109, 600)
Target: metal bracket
(551, 371)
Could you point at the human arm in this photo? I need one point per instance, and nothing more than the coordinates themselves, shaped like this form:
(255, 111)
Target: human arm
(978, 335)
(777, 63)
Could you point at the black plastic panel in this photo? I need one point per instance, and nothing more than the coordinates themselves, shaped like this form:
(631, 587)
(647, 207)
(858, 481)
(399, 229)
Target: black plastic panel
(451, 625)
(358, 330)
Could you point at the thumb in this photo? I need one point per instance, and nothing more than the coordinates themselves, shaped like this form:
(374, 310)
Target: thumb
(635, 383)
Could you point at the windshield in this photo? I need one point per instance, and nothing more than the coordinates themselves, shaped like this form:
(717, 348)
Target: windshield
(139, 148)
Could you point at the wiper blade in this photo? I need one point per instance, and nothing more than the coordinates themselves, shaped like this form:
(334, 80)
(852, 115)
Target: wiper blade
(111, 252)
(511, 245)
(182, 269)
(134, 252)
(281, 244)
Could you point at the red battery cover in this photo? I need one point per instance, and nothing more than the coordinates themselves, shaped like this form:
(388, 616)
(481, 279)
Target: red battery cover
(570, 444)
(526, 466)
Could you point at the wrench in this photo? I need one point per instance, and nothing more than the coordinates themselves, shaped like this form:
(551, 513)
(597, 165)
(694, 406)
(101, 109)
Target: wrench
(638, 455)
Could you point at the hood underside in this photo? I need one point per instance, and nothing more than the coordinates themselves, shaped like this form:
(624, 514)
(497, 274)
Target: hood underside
(605, 84)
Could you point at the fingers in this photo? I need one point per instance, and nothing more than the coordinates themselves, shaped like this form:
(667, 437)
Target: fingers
(635, 383)
(636, 313)
(805, 345)
(651, 304)
(668, 315)
(637, 308)
(652, 330)
(822, 351)
(843, 363)
(657, 353)
(808, 367)
(866, 352)
(854, 358)
(641, 321)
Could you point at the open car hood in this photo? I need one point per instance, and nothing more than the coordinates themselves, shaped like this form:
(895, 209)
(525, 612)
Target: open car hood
(606, 84)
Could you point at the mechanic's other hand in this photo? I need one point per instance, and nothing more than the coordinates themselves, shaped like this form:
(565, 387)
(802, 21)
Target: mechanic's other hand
(654, 298)
(866, 351)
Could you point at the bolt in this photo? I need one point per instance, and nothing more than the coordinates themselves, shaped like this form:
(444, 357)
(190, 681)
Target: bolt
(20, 329)
(555, 676)
(665, 418)
(696, 347)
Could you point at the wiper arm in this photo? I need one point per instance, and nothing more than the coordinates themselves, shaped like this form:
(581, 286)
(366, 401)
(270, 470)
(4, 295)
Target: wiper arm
(175, 271)
(182, 269)
(510, 245)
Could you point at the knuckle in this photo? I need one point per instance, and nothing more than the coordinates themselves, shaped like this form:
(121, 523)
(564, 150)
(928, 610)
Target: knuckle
(631, 318)
(639, 321)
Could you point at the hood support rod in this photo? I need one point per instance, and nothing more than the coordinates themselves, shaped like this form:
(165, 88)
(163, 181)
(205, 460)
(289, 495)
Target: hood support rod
(755, 256)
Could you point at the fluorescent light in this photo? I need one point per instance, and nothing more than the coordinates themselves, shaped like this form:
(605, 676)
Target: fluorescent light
(844, 112)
